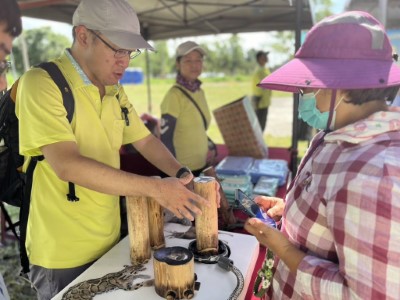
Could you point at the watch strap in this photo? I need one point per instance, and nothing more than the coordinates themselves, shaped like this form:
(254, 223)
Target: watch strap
(182, 171)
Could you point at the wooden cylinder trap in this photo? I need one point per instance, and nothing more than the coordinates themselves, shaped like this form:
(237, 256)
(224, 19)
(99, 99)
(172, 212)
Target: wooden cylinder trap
(174, 276)
(138, 228)
(156, 224)
(207, 222)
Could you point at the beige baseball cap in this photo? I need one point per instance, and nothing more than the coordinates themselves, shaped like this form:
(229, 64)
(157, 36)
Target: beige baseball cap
(187, 47)
(115, 19)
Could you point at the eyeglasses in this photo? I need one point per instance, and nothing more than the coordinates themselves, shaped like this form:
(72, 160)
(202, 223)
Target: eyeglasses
(4, 67)
(118, 53)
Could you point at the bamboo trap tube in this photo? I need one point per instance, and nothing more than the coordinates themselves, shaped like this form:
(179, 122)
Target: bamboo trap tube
(225, 210)
(174, 276)
(156, 224)
(138, 228)
(207, 222)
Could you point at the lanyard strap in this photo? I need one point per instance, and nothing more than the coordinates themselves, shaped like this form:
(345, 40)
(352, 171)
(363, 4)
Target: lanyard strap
(194, 103)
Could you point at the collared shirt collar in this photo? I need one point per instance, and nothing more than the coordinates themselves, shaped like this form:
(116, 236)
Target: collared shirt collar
(77, 67)
(113, 89)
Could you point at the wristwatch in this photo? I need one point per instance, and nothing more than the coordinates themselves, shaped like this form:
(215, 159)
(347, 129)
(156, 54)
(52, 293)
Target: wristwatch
(182, 171)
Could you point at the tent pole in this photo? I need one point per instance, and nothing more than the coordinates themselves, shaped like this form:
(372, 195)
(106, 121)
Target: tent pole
(24, 50)
(383, 10)
(145, 34)
(294, 152)
(149, 106)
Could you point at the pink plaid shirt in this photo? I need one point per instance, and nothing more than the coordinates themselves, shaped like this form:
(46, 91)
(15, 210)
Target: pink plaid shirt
(344, 212)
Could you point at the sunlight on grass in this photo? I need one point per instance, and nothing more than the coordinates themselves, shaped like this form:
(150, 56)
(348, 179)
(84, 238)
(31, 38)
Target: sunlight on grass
(218, 93)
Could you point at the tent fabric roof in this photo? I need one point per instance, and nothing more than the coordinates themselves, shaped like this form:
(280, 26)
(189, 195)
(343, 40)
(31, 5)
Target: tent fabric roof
(388, 11)
(163, 19)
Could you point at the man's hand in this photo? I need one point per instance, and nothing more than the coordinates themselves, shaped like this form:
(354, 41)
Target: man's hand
(174, 196)
(186, 178)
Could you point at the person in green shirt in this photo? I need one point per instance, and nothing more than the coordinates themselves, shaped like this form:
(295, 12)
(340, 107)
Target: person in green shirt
(261, 98)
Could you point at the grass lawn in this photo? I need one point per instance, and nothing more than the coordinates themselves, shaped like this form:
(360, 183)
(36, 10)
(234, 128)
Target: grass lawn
(217, 92)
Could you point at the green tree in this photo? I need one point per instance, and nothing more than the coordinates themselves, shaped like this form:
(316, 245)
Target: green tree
(226, 56)
(42, 45)
(211, 59)
(285, 40)
(159, 61)
(236, 58)
(222, 58)
(323, 8)
(285, 43)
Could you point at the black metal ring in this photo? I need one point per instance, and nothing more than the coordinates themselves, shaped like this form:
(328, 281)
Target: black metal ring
(223, 250)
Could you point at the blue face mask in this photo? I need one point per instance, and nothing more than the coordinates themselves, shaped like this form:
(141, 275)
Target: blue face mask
(310, 114)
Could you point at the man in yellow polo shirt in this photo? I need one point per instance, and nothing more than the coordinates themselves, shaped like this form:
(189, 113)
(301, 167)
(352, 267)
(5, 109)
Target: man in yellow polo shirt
(65, 237)
(261, 98)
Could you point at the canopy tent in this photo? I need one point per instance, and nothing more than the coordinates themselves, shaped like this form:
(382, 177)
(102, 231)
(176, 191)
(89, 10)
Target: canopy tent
(386, 11)
(163, 19)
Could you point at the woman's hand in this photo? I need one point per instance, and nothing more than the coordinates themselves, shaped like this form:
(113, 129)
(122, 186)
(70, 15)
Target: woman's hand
(263, 232)
(273, 206)
(276, 241)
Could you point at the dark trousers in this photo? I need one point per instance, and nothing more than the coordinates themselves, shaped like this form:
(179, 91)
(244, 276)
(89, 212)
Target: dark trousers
(49, 282)
(262, 114)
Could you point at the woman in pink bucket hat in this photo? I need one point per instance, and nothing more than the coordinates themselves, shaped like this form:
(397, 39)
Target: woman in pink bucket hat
(340, 235)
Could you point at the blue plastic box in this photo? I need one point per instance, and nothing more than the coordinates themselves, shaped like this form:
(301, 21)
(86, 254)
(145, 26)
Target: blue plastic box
(235, 165)
(276, 168)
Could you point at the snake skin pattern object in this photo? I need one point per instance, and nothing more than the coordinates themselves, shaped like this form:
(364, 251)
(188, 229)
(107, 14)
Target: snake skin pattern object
(239, 284)
(123, 280)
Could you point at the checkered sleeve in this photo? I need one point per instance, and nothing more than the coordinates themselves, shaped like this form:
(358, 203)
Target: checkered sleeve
(364, 219)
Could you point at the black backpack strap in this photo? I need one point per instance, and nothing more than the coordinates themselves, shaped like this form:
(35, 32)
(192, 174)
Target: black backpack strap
(69, 103)
(24, 213)
(71, 196)
(59, 79)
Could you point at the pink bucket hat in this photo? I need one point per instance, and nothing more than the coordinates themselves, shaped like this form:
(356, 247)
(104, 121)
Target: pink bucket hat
(346, 51)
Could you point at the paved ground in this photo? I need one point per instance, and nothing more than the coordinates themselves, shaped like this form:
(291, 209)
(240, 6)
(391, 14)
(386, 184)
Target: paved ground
(280, 117)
